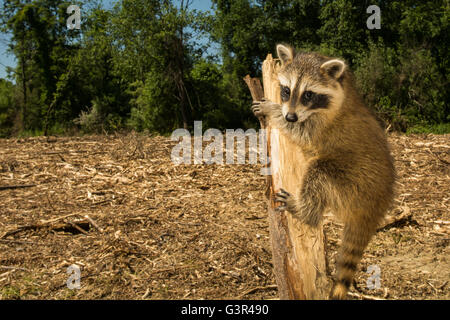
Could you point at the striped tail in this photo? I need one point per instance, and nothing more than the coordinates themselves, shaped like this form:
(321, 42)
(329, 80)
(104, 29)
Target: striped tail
(354, 241)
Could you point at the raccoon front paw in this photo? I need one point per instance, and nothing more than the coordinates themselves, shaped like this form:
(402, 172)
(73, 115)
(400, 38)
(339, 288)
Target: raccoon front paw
(308, 213)
(262, 108)
(286, 199)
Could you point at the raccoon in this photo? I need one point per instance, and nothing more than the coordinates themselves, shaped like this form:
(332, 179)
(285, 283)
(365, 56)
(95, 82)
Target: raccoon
(350, 170)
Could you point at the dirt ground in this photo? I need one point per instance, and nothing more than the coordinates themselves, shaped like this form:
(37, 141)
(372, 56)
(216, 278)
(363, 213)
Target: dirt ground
(140, 227)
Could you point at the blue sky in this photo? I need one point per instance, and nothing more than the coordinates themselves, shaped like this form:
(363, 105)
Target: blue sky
(7, 59)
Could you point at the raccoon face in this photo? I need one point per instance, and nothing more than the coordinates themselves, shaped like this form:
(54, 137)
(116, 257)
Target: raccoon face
(310, 83)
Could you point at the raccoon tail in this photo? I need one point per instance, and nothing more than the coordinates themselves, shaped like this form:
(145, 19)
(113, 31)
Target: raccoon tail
(354, 241)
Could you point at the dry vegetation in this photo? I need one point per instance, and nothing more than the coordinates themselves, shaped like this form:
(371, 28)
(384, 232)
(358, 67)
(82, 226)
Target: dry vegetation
(140, 227)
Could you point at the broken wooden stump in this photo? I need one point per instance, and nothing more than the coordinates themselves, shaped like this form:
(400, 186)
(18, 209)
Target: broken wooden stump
(298, 250)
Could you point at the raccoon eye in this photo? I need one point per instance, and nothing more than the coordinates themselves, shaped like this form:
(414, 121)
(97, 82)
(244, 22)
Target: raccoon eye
(308, 95)
(285, 93)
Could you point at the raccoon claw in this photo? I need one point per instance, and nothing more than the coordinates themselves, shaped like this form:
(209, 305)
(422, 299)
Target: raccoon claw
(284, 198)
(257, 109)
(283, 193)
(261, 108)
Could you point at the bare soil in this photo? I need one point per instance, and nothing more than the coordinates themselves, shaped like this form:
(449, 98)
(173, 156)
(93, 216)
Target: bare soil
(140, 227)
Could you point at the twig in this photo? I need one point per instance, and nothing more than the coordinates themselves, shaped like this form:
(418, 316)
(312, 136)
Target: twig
(437, 157)
(439, 234)
(13, 268)
(441, 222)
(77, 227)
(17, 186)
(386, 293)
(19, 229)
(146, 294)
(388, 128)
(58, 218)
(174, 268)
(269, 287)
(100, 202)
(94, 224)
(442, 285)
(391, 221)
(3, 275)
(431, 285)
(48, 224)
(16, 241)
(363, 296)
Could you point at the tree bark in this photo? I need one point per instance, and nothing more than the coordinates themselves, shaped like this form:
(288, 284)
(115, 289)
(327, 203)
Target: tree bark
(298, 250)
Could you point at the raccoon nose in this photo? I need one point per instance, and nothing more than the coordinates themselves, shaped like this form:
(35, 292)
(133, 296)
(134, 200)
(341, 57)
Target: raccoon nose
(291, 117)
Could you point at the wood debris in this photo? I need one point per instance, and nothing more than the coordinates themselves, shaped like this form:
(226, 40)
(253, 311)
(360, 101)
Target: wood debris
(193, 231)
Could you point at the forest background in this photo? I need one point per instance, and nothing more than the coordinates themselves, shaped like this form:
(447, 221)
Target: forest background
(158, 65)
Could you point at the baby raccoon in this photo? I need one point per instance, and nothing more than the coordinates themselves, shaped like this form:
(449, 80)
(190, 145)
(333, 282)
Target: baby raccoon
(349, 167)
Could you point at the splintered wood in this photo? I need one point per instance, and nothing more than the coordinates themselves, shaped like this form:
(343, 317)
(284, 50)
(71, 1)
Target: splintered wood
(298, 250)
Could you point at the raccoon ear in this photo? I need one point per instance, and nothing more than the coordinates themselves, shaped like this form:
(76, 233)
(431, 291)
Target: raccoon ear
(333, 68)
(285, 53)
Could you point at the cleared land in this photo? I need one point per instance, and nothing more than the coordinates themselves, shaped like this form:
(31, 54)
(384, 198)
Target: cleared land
(158, 231)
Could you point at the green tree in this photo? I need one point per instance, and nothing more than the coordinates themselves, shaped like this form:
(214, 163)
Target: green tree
(163, 96)
(7, 109)
(42, 44)
(97, 93)
(141, 64)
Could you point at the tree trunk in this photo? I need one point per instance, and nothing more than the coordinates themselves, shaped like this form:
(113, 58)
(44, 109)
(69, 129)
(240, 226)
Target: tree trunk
(182, 88)
(24, 87)
(298, 250)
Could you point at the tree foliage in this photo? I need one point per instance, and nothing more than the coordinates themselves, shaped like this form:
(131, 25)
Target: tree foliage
(145, 64)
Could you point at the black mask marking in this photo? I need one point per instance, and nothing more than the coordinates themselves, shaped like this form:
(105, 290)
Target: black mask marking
(314, 100)
(285, 93)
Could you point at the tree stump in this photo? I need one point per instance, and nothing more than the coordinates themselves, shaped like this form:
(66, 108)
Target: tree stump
(298, 250)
